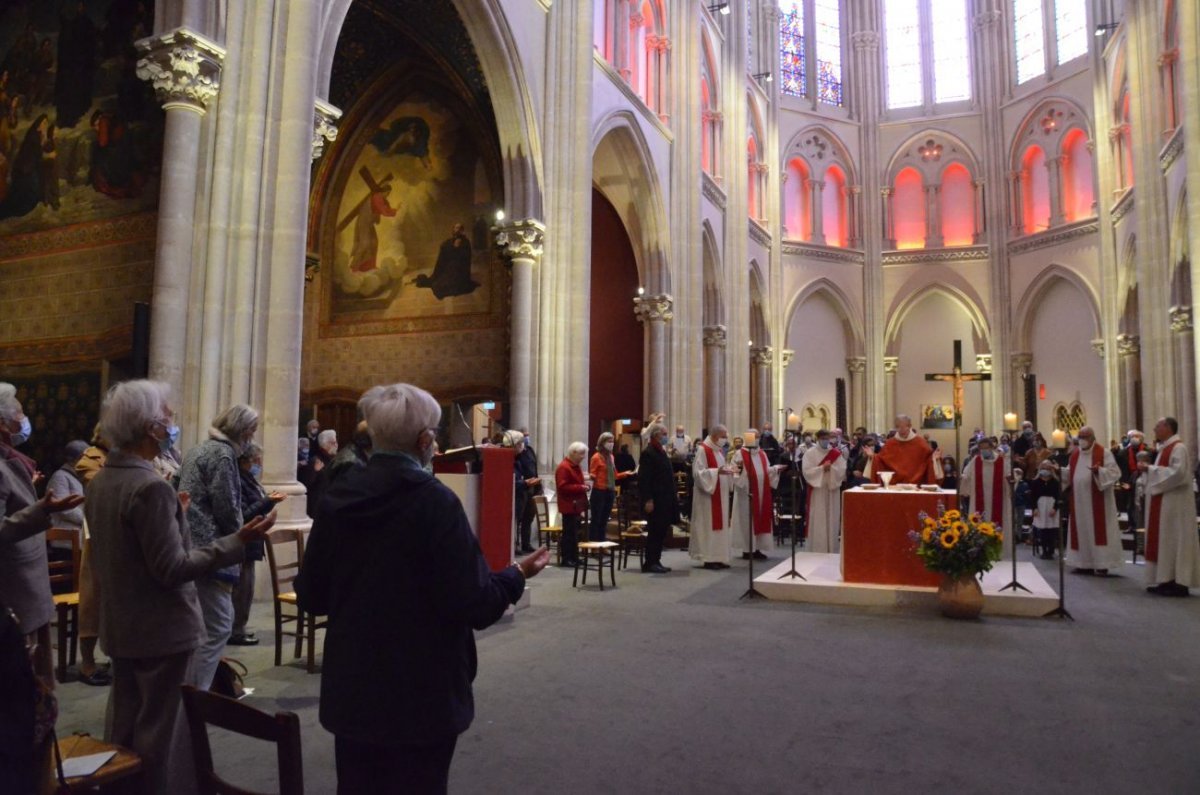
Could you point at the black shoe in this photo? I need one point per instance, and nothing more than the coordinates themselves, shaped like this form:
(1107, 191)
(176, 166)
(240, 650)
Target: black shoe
(1101, 572)
(1083, 571)
(714, 566)
(745, 556)
(96, 678)
(242, 640)
(758, 555)
(570, 564)
(655, 568)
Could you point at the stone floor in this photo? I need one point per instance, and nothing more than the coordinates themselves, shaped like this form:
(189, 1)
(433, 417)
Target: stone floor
(669, 683)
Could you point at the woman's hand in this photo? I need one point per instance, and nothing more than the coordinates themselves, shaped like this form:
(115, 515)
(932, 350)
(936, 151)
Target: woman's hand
(52, 504)
(277, 496)
(257, 528)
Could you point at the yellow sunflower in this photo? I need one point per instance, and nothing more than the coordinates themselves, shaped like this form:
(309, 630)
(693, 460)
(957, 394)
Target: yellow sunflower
(944, 523)
(987, 528)
(927, 535)
(930, 523)
(977, 517)
(959, 527)
(949, 538)
(952, 515)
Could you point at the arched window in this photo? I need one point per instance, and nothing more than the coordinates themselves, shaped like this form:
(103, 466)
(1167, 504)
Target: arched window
(908, 209)
(829, 51)
(1035, 198)
(792, 73)
(710, 115)
(927, 52)
(753, 195)
(903, 28)
(958, 206)
(951, 53)
(833, 207)
(706, 138)
(1070, 27)
(1042, 28)
(810, 31)
(1078, 180)
(1030, 35)
(797, 201)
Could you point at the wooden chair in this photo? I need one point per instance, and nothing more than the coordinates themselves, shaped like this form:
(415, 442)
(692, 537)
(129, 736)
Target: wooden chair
(64, 578)
(633, 541)
(592, 554)
(551, 532)
(282, 729)
(122, 773)
(282, 577)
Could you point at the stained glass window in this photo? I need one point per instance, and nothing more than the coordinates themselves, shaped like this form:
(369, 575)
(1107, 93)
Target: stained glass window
(792, 70)
(1070, 26)
(829, 51)
(1031, 48)
(951, 50)
(902, 28)
(750, 65)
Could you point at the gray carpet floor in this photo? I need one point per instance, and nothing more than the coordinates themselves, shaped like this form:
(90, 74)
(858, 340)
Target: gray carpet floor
(669, 683)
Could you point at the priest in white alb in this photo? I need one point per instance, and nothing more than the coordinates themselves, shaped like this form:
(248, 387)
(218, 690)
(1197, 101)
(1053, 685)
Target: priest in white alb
(754, 498)
(987, 482)
(713, 478)
(824, 469)
(1172, 547)
(1095, 536)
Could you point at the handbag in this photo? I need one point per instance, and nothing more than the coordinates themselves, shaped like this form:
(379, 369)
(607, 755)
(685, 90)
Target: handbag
(229, 678)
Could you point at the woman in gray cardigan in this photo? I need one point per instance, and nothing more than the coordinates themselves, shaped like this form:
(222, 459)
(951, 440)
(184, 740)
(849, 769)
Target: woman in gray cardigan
(150, 621)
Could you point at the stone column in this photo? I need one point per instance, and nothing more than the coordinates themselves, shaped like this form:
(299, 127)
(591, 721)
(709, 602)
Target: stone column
(761, 358)
(184, 69)
(817, 202)
(663, 95)
(891, 366)
(621, 32)
(1054, 174)
(521, 244)
(889, 221)
(853, 211)
(1019, 365)
(655, 311)
(1129, 353)
(715, 342)
(631, 56)
(1018, 212)
(933, 216)
(856, 366)
(1185, 366)
(983, 364)
(980, 225)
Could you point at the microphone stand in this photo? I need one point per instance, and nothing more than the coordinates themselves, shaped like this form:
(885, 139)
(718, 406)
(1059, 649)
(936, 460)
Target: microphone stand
(791, 572)
(1061, 611)
(751, 591)
(1015, 585)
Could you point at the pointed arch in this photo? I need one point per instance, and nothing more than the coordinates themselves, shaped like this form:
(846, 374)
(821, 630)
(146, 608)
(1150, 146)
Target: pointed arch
(952, 286)
(714, 301)
(1032, 297)
(837, 298)
(947, 148)
(760, 330)
(820, 148)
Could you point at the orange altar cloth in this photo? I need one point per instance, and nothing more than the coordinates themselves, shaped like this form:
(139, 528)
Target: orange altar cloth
(875, 543)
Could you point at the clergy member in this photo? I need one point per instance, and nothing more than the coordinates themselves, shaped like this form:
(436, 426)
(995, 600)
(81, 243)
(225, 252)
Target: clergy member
(754, 498)
(906, 454)
(1172, 548)
(824, 468)
(1095, 537)
(987, 482)
(709, 541)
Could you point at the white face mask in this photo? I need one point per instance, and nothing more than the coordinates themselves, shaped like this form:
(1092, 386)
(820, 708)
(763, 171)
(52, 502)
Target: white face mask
(824, 443)
(608, 446)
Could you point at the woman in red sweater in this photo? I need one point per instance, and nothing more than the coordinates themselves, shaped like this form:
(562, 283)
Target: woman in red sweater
(572, 487)
(603, 469)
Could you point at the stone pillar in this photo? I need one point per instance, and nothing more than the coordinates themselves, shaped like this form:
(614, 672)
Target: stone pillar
(1018, 211)
(933, 216)
(856, 366)
(1054, 173)
(817, 205)
(621, 32)
(662, 95)
(1185, 366)
(1019, 365)
(184, 69)
(980, 225)
(715, 342)
(761, 358)
(853, 212)
(655, 311)
(889, 221)
(1129, 352)
(631, 55)
(891, 365)
(983, 364)
(521, 244)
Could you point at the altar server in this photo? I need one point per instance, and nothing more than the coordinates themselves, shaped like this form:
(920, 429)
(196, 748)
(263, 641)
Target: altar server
(1172, 548)
(754, 498)
(1095, 536)
(709, 538)
(987, 483)
(824, 469)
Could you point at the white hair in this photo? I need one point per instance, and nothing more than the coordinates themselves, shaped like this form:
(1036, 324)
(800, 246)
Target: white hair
(397, 415)
(513, 439)
(715, 429)
(576, 447)
(326, 436)
(236, 421)
(129, 409)
(10, 407)
(655, 428)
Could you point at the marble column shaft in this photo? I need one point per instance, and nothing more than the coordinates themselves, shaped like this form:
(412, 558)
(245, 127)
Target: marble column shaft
(522, 243)
(715, 346)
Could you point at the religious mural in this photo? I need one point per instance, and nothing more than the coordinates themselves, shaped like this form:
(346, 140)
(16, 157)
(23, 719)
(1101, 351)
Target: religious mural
(77, 126)
(937, 416)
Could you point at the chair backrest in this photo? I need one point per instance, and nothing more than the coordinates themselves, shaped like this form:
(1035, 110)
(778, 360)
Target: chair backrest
(542, 509)
(64, 574)
(282, 575)
(283, 728)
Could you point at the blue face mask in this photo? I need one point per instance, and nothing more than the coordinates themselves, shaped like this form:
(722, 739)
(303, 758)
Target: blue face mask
(988, 455)
(256, 471)
(22, 436)
(173, 434)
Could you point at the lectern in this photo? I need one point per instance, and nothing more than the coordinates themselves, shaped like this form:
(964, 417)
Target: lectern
(482, 477)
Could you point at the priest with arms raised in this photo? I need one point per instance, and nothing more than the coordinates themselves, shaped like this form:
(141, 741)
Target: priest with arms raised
(753, 497)
(1095, 536)
(824, 468)
(709, 542)
(1172, 548)
(987, 482)
(906, 454)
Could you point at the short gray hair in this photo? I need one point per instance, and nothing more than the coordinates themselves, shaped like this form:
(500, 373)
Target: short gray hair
(251, 452)
(325, 436)
(715, 429)
(397, 415)
(236, 421)
(576, 447)
(9, 405)
(129, 409)
(655, 428)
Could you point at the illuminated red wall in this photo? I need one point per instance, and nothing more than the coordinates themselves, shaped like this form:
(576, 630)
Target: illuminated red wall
(908, 210)
(958, 206)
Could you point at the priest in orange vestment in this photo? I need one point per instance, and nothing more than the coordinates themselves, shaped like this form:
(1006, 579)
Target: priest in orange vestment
(906, 454)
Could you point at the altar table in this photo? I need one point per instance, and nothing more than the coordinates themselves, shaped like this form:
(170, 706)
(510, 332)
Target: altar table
(875, 543)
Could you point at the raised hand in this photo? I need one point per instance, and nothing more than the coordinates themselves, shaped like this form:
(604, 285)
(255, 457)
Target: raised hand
(534, 563)
(53, 504)
(257, 528)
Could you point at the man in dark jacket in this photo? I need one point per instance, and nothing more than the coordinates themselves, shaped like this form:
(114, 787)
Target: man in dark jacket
(656, 486)
(393, 563)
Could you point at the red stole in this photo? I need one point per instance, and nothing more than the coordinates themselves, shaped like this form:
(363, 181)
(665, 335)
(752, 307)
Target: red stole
(1155, 517)
(1099, 519)
(717, 513)
(761, 504)
(996, 512)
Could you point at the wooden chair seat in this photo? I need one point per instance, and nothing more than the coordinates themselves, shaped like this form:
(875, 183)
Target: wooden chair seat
(125, 764)
(288, 598)
(595, 552)
(633, 540)
(283, 574)
(64, 577)
(66, 599)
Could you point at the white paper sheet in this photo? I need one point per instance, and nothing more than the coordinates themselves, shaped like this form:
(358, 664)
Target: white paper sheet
(85, 765)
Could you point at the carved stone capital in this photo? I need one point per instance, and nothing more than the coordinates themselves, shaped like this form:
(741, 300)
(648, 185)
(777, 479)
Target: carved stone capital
(865, 40)
(325, 130)
(856, 364)
(184, 68)
(983, 362)
(1181, 319)
(762, 355)
(520, 239)
(1098, 347)
(891, 364)
(649, 308)
(985, 19)
(787, 354)
(715, 336)
(1128, 344)
(1021, 362)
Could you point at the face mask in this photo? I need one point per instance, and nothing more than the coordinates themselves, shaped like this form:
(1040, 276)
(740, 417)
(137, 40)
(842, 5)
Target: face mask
(988, 455)
(678, 435)
(1028, 434)
(1085, 444)
(22, 436)
(1044, 474)
(302, 458)
(173, 434)
(256, 471)
(662, 440)
(824, 444)
(608, 446)
(526, 441)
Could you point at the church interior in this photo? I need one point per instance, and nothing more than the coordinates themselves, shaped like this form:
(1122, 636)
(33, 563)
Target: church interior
(564, 216)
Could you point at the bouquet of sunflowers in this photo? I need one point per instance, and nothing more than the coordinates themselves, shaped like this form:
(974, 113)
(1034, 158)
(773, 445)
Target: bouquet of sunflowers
(957, 545)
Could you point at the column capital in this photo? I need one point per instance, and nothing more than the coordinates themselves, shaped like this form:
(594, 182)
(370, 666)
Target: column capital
(1181, 319)
(650, 308)
(786, 356)
(1098, 347)
(715, 336)
(325, 117)
(865, 40)
(762, 355)
(520, 239)
(985, 19)
(856, 364)
(636, 20)
(183, 67)
(771, 10)
(1021, 362)
(891, 364)
(983, 362)
(1128, 344)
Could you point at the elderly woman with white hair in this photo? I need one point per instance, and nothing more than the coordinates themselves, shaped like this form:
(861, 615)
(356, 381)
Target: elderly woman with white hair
(572, 487)
(209, 474)
(392, 534)
(24, 586)
(150, 619)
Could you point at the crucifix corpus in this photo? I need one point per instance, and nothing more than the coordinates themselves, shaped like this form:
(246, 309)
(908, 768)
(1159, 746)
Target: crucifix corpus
(957, 378)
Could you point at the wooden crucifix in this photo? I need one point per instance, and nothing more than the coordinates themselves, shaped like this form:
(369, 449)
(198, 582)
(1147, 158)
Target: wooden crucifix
(957, 378)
